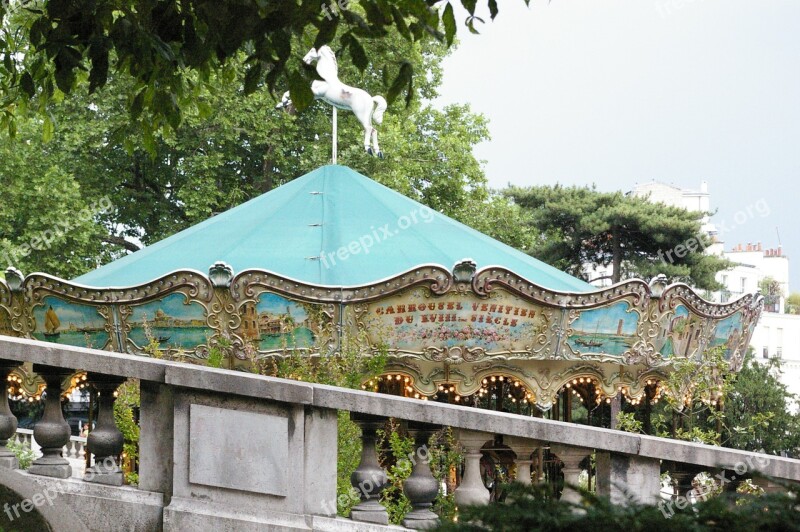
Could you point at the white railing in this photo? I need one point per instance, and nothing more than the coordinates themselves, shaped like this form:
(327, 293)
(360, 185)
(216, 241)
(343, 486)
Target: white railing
(74, 451)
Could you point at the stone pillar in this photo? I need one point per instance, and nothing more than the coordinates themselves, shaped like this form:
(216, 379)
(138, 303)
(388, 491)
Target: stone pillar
(369, 478)
(472, 490)
(421, 487)
(571, 457)
(8, 422)
(628, 479)
(156, 438)
(523, 448)
(105, 441)
(52, 432)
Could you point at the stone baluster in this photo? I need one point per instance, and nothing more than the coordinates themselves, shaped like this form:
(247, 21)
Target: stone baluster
(523, 448)
(472, 491)
(369, 479)
(105, 441)
(81, 450)
(421, 487)
(571, 457)
(52, 432)
(8, 422)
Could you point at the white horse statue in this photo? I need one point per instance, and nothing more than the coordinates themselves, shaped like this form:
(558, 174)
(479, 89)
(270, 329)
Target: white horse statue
(368, 109)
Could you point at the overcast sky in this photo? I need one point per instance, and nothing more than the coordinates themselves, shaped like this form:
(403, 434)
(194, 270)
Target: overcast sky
(619, 92)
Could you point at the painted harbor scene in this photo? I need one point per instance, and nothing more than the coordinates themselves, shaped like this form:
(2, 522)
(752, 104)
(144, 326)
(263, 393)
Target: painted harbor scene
(276, 323)
(610, 330)
(171, 321)
(62, 322)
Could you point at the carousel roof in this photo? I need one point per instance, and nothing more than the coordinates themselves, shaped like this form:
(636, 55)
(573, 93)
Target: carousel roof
(333, 227)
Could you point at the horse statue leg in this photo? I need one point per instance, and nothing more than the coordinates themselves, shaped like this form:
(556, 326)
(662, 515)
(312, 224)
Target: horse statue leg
(377, 117)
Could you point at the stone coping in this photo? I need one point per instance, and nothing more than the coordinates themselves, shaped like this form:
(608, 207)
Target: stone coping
(321, 396)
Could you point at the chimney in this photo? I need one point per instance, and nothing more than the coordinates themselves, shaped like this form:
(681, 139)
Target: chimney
(780, 251)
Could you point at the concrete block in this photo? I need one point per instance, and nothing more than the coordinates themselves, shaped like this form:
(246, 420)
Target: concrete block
(626, 478)
(224, 445)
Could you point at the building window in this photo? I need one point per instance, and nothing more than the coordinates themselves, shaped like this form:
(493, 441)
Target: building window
(744, 284)
(765, 352)
(778, 352)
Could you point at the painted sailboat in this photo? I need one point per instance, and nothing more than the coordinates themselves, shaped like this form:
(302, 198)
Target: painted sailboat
(51, 324)
(593, 342)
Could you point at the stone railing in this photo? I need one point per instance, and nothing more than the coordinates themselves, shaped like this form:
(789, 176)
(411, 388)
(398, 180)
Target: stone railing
(222, 449)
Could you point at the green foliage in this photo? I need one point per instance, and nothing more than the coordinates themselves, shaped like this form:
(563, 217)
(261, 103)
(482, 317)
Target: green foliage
(793, 303)
(627, 421)
(535, 508)
(22, 451)
(579, 225)
(164, 50)
(445, 455)
(128, 399)
(758, 412)
(219, 351)
(349, 445)
(396, 448)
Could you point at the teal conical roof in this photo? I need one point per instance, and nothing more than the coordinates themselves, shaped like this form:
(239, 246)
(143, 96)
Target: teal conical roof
(331, 227)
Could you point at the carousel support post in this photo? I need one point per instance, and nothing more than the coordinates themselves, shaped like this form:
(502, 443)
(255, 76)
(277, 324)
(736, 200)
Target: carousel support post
(369, 479)
(472, 490)
(421, 487)
(52, 432)
(8, 422)
(106, 440)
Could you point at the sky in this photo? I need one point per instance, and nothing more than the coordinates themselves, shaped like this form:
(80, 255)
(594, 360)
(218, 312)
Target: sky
(621, 92)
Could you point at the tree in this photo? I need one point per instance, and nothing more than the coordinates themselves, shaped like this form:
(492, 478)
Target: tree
(234, 148)
(165, 48)
(759, 400)
(46, 223)
(576, 226)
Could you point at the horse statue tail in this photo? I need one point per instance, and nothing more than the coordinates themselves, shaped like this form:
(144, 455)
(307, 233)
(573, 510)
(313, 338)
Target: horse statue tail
(377, 116)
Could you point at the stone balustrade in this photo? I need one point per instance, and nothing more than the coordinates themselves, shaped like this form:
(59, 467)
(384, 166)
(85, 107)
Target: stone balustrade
(222, 449)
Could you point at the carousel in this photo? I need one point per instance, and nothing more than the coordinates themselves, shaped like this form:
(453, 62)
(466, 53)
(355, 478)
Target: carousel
(333, 260)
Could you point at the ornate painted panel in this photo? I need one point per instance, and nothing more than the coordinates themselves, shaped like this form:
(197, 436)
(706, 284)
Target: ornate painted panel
(609, 331)
(272, 323)
(175, 321)
(417, 322)
(64, 322)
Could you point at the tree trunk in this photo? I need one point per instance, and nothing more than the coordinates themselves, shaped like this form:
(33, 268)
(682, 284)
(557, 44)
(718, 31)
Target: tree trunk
(616, 257)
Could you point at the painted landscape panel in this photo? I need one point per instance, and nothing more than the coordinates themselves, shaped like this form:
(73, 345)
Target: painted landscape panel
(276, 323)
(681, 333)
(62, 322)
(728, 333)
(173, 322)
(610, 330)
